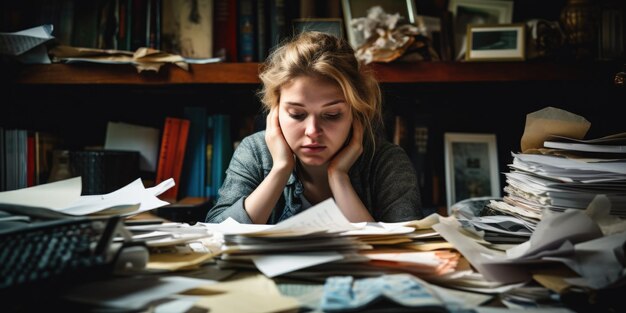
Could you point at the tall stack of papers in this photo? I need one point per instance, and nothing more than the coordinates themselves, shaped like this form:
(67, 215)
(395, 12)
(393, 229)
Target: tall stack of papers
(567, 178)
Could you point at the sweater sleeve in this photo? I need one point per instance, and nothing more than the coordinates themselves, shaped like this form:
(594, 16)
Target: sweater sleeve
(396, 192)
(245, 172)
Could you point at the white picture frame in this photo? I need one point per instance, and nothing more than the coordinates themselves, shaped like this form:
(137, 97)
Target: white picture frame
(467, 12)
(358, 8)
(502, 42)
(471, 166)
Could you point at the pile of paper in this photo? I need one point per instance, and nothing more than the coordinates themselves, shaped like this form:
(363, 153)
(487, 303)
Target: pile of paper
(65, 197)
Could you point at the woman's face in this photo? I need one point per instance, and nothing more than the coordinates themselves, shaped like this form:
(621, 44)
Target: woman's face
(315, 118)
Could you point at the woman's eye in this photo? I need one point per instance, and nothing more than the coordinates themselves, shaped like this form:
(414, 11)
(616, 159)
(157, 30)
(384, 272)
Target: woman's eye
(297, 116)
(332, 116)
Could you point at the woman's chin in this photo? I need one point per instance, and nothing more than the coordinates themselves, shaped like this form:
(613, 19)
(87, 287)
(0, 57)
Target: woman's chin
(312, 161)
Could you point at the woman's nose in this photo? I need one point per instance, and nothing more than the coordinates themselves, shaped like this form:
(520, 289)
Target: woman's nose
(313, 128)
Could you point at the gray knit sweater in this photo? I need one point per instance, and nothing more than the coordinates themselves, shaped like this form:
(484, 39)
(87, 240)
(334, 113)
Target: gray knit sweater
(386, 183)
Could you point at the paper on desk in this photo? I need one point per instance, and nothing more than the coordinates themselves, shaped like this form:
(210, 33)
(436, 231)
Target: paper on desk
(55, 195)
(273, 265)
(323, 217)
(64, 196)
(134, 292)
(555, 229)
(251, 293)
(551, 121)
(130, 199)
(28, 45)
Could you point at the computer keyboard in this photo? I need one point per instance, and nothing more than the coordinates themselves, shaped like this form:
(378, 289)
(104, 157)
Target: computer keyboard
(53, 251)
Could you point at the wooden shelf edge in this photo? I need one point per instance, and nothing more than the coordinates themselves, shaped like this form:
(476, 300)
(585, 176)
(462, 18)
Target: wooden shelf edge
(247, 73)
(94, 74)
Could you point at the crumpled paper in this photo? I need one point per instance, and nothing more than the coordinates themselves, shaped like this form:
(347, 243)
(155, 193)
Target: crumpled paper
(385, 39)
(144, 59)
(551, 121)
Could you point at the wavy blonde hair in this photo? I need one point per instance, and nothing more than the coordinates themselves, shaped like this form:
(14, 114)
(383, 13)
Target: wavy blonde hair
(321, 54)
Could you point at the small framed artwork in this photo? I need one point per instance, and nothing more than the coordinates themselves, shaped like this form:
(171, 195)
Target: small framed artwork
(471, 163)
(353, 9)
(467, 12)
(503, 42)
(333, 26)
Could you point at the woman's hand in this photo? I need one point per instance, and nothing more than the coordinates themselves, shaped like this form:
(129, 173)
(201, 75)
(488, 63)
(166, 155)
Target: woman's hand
(345, 158)
(282, 155)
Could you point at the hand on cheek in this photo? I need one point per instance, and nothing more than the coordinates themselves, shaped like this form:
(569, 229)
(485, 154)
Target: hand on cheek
(282, 156)
(345, 158)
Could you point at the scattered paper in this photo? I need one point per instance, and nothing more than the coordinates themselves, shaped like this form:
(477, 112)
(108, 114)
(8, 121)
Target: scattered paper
(144, 59)
(28, 45)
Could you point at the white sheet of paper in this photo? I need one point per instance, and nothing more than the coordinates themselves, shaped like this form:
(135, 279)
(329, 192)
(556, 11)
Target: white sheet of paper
(134, 292)
(53, 195)
(597, 261)
(553, 230)
(133, 194)
(19, 42)
(323, 217)
(129, 137)
(278, 264)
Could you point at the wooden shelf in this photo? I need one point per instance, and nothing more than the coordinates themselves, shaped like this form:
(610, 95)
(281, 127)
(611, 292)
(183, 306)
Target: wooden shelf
(246, 73)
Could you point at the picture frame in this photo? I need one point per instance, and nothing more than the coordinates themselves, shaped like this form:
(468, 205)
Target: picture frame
(333, 26)
(467, 12)
(471, 166)
(502, 42)
(358, 8)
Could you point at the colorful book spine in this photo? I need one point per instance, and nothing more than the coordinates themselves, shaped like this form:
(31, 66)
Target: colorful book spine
(225, 30)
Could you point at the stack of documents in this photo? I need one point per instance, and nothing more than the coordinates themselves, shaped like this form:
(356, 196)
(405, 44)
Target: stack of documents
(321, 242)
(539, 182)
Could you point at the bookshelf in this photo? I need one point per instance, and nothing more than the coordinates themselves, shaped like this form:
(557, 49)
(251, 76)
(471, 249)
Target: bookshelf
(247, 73)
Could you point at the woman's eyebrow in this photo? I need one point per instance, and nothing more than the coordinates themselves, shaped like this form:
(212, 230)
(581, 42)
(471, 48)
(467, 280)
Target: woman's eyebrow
(333, 102)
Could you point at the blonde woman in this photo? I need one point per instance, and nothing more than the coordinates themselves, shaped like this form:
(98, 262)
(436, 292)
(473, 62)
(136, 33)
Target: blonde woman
(320, 141)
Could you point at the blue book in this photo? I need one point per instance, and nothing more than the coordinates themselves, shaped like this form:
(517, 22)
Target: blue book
(222, 151)
(193, 184)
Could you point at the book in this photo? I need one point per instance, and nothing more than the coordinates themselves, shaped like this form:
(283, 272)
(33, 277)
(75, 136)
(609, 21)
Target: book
(171, 154)
(225, 29)
(246, 34)
(194, 167)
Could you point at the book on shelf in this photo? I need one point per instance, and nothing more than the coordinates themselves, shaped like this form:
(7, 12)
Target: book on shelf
(246, 34)
(172, 153)
(194, 167)
(225, 29)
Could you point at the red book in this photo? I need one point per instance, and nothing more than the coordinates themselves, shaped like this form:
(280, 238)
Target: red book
(225, 29)
(172, 154)
(166, 152)
(30, 160)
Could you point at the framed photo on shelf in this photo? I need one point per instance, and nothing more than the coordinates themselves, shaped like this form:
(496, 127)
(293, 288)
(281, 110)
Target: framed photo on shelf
(471, 165)
(353, 9)
(467, 12)
(502, 42)
(333, 26)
